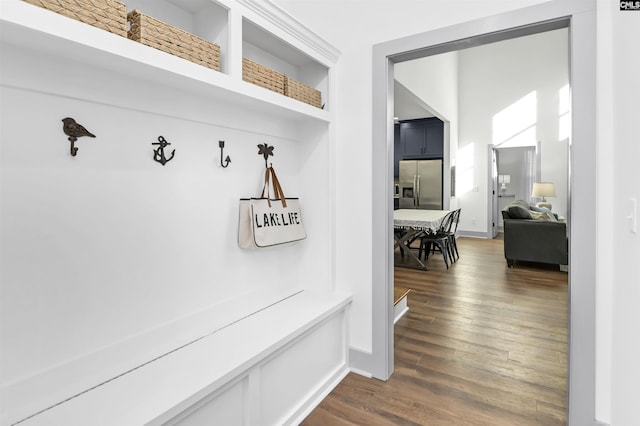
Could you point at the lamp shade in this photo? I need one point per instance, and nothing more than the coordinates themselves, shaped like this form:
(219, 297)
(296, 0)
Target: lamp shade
(543, 189)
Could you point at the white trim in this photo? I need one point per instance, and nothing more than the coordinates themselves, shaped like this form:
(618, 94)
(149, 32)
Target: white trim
(362, 373)
(400, 309)
(473, 234)
(360, 362)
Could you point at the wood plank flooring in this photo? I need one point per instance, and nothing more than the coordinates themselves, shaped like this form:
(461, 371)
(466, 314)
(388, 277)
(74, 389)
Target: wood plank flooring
(482, 344)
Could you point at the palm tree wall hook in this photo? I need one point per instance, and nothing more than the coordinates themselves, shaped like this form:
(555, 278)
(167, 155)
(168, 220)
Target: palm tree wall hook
(226, 160)
(265, 150)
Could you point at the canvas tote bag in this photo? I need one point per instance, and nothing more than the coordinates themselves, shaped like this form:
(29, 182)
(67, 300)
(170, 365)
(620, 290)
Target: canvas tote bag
(267, 222)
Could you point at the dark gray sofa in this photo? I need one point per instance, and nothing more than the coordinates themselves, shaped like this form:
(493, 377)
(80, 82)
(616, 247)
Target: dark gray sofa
(543, 239)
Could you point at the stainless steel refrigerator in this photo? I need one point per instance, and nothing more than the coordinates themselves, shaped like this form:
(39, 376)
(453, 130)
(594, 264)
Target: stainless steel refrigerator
(420, 184)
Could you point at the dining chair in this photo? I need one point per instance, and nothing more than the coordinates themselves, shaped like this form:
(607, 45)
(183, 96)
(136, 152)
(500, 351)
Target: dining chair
(453, 245)
(438, 240)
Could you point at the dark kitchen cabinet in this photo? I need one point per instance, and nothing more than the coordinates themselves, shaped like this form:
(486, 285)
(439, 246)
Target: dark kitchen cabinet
(421, 139)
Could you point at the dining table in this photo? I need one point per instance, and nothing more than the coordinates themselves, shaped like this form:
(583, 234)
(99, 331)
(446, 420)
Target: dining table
(411, 224)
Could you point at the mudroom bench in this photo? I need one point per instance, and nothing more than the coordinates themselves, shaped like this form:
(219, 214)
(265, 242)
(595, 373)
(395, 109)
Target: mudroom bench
(271, 367)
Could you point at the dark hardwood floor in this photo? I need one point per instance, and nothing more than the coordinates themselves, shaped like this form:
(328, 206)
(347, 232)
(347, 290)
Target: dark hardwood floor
(482, 344)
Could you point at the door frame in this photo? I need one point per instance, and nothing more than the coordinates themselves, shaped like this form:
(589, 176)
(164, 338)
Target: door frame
(492, 205)
(580, 18)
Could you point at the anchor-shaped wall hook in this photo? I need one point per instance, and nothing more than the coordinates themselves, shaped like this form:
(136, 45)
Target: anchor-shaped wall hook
(74, 131)
(226, 160)
(158, 154)
(266, 151)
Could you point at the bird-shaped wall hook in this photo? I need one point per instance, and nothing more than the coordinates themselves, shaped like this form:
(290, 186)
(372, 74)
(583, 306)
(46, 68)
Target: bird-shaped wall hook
(74, 131)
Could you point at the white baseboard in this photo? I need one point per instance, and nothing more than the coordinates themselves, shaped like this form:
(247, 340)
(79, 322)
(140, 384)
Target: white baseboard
(473, 234)
(318, 396)
(362, 373)
(360, 362)
(400, 309)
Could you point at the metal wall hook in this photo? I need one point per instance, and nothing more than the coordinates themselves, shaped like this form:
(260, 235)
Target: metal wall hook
(226, 160)
(265, 150)
(158, 154)
(74, 131)
(74, 148)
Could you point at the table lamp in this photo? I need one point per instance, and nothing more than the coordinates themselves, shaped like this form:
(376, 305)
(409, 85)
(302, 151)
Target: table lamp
(504, 180)
(543, 189)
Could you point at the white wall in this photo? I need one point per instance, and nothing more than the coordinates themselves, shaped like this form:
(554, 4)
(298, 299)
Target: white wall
(434, 80)
(510, 89)
(625, 280)
(485, 80)
(354, 27)
(604, 208)
(618, 270)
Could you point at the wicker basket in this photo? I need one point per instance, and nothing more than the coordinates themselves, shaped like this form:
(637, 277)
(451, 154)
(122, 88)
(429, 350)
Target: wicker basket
(296, 90)
(110, 15)
(255, 73)
(160, 35)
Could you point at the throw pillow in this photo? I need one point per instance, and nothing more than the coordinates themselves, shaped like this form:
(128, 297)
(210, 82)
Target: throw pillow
(521, 203)
(519, 212)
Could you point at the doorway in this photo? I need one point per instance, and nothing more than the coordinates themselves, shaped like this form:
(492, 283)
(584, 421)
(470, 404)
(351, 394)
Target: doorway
(578, 17)
(512, 173)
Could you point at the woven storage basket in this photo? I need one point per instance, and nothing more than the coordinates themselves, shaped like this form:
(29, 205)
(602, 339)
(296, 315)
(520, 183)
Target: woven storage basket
(110, 15)
(160, 35)
(255, 73)
(295, 89)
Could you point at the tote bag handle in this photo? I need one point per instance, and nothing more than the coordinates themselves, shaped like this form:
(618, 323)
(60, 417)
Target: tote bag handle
(271, 179)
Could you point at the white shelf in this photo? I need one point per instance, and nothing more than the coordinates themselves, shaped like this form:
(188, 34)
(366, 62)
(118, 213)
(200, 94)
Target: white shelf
(37, 30)
(266, 49)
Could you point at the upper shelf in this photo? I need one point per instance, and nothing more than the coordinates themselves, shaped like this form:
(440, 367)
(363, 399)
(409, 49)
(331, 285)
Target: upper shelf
(38, 30)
